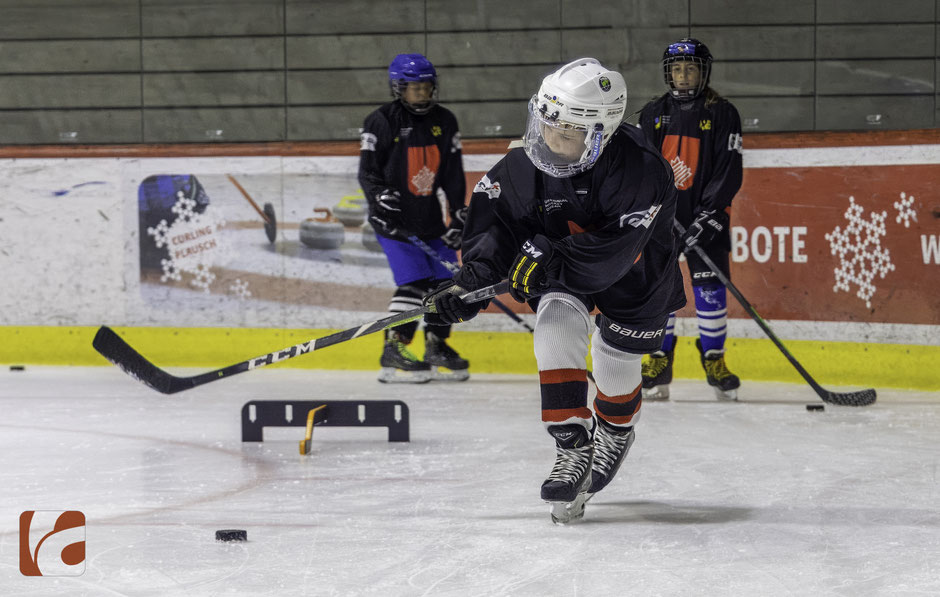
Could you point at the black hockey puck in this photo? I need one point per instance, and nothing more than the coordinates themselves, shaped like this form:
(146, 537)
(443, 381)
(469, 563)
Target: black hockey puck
(231, 535)
(17, 368)
(812, 407)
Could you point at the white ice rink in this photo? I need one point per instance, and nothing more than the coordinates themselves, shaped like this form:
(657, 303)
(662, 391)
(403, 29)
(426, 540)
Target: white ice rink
(759, 498)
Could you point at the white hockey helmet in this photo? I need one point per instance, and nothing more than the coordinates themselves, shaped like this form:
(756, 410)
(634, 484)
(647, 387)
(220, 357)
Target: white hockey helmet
(572, 117)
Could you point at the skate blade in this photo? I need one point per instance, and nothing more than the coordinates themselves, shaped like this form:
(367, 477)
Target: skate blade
(392, 375)
(567, 512)
(656, 393)
(726, 395)
(445, 374)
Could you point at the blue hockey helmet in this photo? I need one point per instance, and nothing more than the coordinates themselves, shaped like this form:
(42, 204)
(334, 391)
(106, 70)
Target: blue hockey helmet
(413, 68)
(686, 50)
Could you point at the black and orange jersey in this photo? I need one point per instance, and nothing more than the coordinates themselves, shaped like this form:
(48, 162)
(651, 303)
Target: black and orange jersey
(703, 146)
(610, 227)
(414, 155)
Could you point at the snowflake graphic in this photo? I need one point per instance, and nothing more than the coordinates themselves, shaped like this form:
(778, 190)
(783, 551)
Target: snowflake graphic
(240, 289)
(861, 256)
(906, 211)
(423, 181)
(194, 244)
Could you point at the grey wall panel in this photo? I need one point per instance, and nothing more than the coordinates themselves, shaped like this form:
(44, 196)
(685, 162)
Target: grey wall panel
(214, 89)
(216, 124)
(764, 78)
(353, 51)
(875, 11)
(757, 43)
(164, 18)
(490, 119)
(338, 87)
(644, 84)
(744, 12)
(490, 82)
(492, 15)
(494, 47)
(874, 41)
(774, 114)
(70, 126)
(610, 47)
(68, 19)
(334, 123)
(617, 13)
(874, 113)
(213, 54)
(874, 76)
(70, 56)
(306, 17)
(70, 91)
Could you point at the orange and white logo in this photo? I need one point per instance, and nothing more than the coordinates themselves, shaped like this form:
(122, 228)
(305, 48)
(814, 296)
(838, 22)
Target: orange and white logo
(52, 543)
(682, 154)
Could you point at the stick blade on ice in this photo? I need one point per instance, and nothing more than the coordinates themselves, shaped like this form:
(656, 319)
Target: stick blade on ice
(115, 349)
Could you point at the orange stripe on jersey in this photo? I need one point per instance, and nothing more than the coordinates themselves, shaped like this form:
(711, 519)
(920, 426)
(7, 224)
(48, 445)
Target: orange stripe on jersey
(423, 163)
(562, 375)
(638, 257)
(682, 154)
(563, 414)
(622, 399)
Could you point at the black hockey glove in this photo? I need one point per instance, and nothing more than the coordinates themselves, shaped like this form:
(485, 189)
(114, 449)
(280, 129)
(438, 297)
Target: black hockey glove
(447, 306)
(385, 214)
(706, 227)
(454, 234)
(528, 276)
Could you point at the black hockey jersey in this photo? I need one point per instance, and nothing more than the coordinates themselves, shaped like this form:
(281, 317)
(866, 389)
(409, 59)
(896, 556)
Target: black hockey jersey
(414, 155)
(703, 146)
(610, 227)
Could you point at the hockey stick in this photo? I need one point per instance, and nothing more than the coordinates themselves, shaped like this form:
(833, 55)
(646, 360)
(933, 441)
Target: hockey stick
(453, 268)
(860, 398)
(115, 349)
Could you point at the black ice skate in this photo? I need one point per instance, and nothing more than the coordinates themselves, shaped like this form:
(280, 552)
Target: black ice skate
(611, 445)
(399, 365)
(724, 382)
(571, 476)
(445, 363)
(657, 375)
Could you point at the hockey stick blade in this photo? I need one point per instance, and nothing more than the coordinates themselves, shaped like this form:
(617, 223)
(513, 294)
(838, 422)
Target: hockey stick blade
(115, 349)
(860, 398)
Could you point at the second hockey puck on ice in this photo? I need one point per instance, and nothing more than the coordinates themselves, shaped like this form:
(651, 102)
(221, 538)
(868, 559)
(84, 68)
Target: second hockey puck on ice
(17, 368)
(231, 535)
(815, 407)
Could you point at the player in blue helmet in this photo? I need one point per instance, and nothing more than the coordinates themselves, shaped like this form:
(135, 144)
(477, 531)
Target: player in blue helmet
(413, 81)
(411, 150)
(699, 134)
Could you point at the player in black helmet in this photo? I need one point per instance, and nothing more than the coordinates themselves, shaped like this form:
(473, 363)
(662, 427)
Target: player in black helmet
(699, 134)
(410, 149)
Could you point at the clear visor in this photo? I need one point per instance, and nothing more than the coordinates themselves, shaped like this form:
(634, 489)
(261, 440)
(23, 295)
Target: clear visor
(417, 96)
(559, 148)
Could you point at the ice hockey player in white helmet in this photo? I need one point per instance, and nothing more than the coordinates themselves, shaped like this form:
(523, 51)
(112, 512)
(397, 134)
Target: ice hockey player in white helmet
(579, 218)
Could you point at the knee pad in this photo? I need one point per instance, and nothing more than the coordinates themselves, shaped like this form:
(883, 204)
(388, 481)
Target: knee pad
(562, 329)
(616, 372)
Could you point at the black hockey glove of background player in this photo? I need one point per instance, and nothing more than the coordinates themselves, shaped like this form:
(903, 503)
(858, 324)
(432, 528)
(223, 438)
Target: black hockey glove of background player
(707, 226)
(454, 234)
(448, 306)
(385, 213)
(528, 275)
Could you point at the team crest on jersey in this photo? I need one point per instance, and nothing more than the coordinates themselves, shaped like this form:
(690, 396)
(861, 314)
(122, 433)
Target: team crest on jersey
(705, 125)
(436, 131)
(491, 189)
(423, 163)
(682, 154)
(660, 120)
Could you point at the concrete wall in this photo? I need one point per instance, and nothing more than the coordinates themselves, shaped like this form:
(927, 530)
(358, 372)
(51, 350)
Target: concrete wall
(153, 71)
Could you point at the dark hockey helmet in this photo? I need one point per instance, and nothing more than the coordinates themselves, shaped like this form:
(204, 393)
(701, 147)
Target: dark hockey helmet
(680, 78)
(413, 68)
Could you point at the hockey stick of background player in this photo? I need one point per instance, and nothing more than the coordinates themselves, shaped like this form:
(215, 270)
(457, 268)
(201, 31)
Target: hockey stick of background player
(861, 398)
(267, 214)
(454, 268)
(115, 349)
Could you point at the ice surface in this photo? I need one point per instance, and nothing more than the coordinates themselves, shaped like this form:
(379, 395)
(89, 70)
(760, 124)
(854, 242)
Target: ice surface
(755, 498)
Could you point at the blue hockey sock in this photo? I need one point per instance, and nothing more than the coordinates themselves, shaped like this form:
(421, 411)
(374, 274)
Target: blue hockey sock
(669, 340)
(711, 308)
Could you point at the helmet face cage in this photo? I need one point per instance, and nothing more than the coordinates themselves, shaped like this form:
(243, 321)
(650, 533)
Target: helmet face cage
(412, 68)
(687, 50)
(558, 148)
